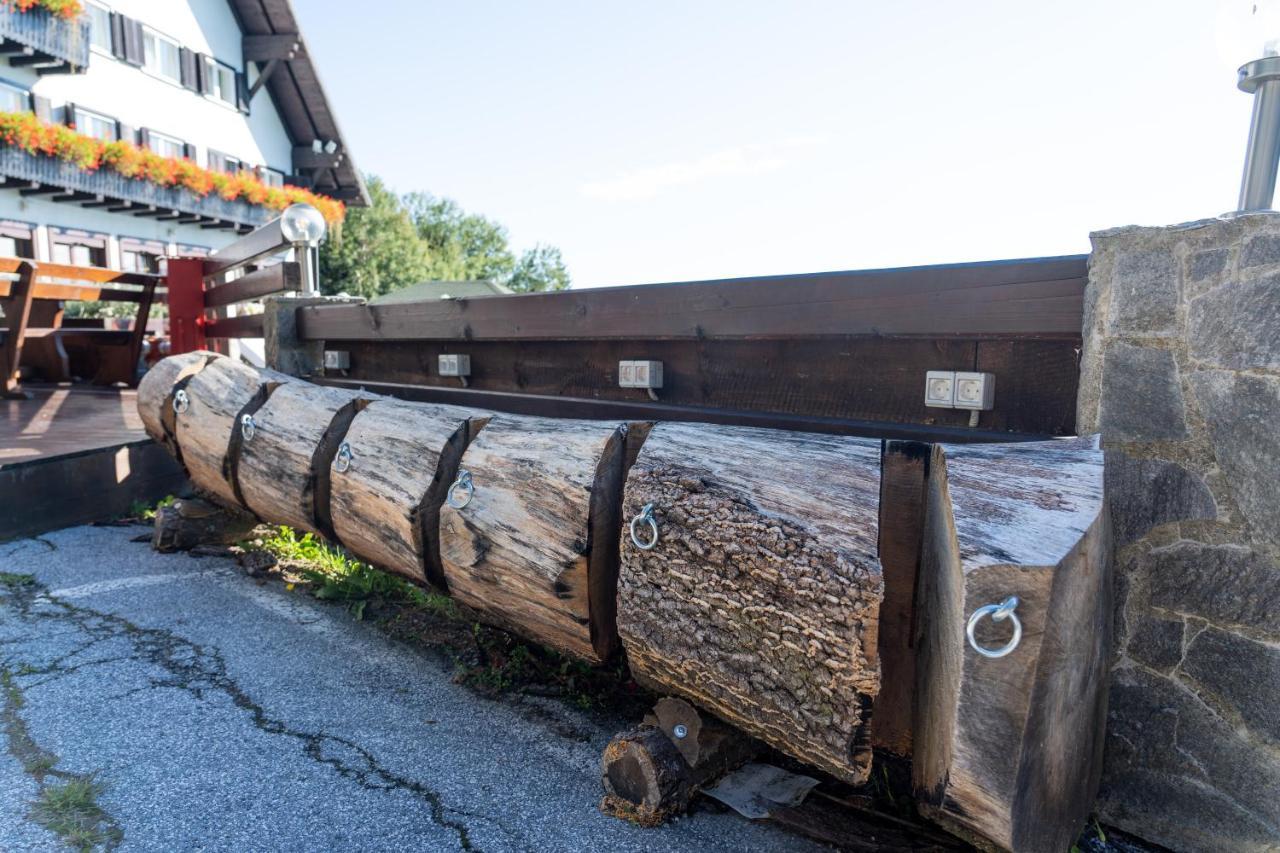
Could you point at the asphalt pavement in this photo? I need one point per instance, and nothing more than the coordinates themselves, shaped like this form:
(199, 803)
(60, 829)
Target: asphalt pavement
(211, 711)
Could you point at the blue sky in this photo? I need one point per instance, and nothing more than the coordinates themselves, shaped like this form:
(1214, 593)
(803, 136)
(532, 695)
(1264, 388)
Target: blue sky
(669, 141)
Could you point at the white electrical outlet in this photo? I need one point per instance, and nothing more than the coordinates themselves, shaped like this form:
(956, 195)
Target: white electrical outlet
(639, 374)
(337, 359)
(974, 391)
(939, 389)
(454, 364)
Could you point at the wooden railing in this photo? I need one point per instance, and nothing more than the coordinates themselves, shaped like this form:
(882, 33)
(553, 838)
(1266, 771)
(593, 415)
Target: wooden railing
(51, 44)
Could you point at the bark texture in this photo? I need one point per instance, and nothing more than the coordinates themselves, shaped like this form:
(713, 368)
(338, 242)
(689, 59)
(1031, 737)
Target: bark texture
(386, 504)
(283, 471)
(208, 431)
(534, 549)
(156, 390)
(185, 524)
(1008, 750)
(761, 600)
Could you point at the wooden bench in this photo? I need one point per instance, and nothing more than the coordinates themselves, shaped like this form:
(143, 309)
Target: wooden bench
(34, 335)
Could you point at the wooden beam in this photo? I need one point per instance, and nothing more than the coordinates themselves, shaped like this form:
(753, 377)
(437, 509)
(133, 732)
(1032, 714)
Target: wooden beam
(265, 48)
(305, 158)
(101, 201)
(1042, 298)
(264, 74)
(273, 279)
(171, 216)
(38, 188)
(244, 326)
(147, 210)
(34, 59)
(122, 206)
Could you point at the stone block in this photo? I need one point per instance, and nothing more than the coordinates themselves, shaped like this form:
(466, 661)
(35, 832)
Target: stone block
(1243, 674)
(1179, 775)
(1208, 264)
(1141, 395)
(1237, 325)
(285, 351)
(1243, 416)
(1144, 292)
(1262, 250)
(1226, 584)
(1144, 493)
(1156, 641)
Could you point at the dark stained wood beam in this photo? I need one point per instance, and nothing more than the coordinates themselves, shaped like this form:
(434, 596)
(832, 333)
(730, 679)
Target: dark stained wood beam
(264, 48)
(34, 59)
(171, 216)
(264, 74)
(147, 210)
(37, 188)
(101, 201)
(305, 158)
(77, 195)
(121, 207)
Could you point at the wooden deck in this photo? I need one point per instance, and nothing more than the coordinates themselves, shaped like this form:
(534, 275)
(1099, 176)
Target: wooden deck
(74, 454)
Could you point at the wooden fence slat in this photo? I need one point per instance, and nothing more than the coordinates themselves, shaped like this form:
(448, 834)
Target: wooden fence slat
(274, 279)
(244, 326)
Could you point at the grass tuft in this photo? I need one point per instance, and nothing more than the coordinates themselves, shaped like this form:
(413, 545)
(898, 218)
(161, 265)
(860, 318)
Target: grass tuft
(70, 810)
(15, 580)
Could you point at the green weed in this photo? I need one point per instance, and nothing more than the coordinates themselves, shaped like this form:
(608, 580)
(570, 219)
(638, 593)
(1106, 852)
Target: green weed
(14, 580)
(70, 810)
(143, 511)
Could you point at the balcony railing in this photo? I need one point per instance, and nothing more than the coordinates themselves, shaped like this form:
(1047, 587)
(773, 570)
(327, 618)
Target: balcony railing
(36, 174)
(50, 44)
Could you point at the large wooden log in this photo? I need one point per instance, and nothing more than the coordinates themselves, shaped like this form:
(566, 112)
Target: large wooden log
(156, 392)
(386, 489)
(1007, 750)
(761, 600)
(207, 430)
(284, 467)
(535, 548)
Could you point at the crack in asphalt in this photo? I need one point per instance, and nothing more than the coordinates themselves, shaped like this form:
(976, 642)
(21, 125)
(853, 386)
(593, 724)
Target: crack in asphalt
(198, 671)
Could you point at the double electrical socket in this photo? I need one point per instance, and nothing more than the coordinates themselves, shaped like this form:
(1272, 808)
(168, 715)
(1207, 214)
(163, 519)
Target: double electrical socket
(454, 365)
(639, 374)
(954, 389)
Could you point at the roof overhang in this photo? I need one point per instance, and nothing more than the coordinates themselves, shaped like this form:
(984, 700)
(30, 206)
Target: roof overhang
(274, 43)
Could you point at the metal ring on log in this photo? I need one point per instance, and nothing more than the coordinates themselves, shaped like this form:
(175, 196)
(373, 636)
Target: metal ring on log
(181, 402)
(247, 427)
(209, 433)
(284, 472)
(761, 603)
(158, 395)
(387, 507)
(342, 461)
(645, 517)
(465, 483)
(536, 548)
(998, 613)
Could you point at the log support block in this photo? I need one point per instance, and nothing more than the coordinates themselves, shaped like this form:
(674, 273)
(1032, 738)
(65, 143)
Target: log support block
(1007, 750)
(534, 547)
(760, 601)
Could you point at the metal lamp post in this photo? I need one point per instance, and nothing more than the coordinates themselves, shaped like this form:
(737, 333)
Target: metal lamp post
(1261, 78)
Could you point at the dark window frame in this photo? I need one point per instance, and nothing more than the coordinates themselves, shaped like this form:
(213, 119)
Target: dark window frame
(95, 241)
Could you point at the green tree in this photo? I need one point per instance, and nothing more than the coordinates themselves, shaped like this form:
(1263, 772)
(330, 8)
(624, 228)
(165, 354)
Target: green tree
(376, 250)
(403, 240)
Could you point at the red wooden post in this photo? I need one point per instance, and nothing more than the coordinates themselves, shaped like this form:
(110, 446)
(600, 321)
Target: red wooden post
(185, 281)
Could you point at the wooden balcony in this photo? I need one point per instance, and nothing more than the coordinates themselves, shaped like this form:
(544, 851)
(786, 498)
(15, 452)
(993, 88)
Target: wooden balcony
(38, 175)
(42, 40)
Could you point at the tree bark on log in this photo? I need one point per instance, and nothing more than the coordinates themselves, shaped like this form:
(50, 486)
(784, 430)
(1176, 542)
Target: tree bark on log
(1008, 749)
(386, 504)
(185, 524)
(208, 432)
(283, 470)
(535, 549)
(156, 391)
(761, 600)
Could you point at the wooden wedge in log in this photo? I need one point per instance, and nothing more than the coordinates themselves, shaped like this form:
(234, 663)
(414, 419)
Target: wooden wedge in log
(1014, 627)
(528, 537)
(754, 590)
(388, 480)
(287, 450)
(207, 425)
(156, 394)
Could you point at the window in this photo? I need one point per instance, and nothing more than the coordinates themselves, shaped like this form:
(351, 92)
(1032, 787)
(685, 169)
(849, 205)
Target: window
(221, 80)
(16, 240)
(142, 255)
(99, 27)
(96, 125)
(271, 177)
(160, 56)
(165, 146)
(14, 99)
(220, 162)
(79, 248)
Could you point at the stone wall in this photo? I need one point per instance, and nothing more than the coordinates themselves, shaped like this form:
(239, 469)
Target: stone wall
(1180, 373)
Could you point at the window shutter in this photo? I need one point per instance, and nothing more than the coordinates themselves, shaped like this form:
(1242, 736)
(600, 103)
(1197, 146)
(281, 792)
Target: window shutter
(189, 151)
(187, 64)
(117, 35)
(242, 92)
(43, 108)
(69, 114)
(144, 137)
(127, 133)
(203, 84)
(133, 50)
